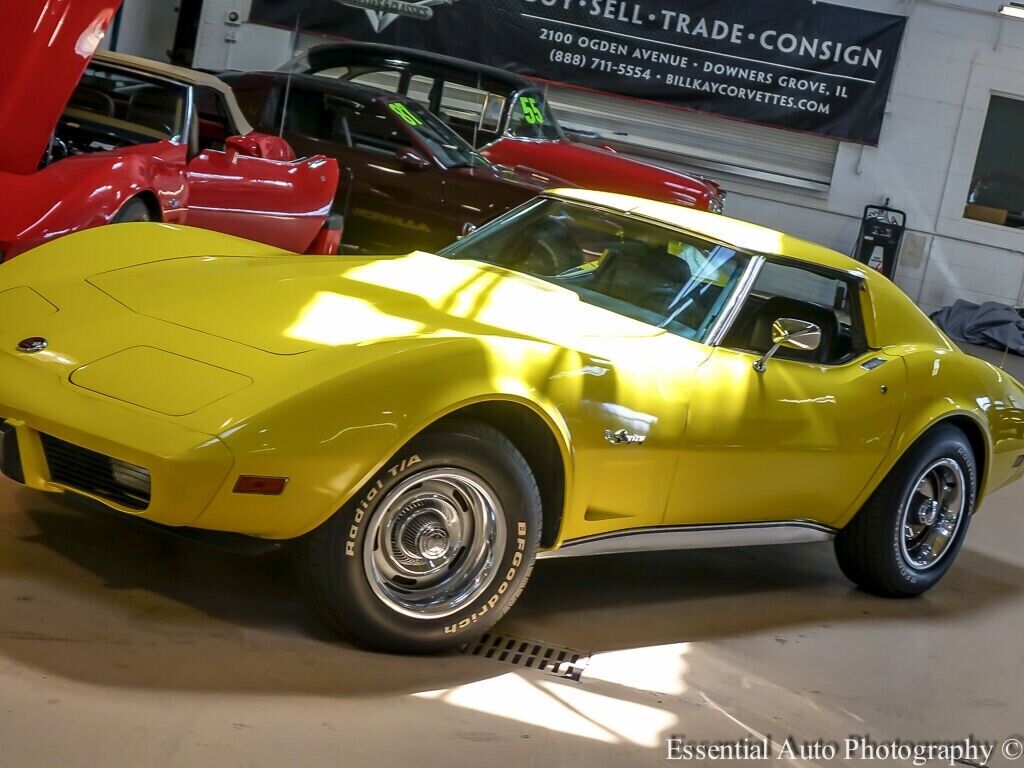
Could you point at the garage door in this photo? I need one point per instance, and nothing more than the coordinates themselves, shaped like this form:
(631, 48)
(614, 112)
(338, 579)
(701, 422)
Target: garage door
(697, 141)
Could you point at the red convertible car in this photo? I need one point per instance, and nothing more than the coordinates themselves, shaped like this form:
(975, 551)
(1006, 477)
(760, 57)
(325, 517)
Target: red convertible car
(88, 140)
(506, 117)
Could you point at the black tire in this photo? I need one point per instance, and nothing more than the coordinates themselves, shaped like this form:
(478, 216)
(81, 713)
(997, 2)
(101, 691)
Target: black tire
(133, 211)
(873, 550)
(340, 562)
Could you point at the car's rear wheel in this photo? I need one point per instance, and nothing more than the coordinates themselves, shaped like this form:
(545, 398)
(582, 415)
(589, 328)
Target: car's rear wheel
(909, 532)
(132, 211)
(434, 549)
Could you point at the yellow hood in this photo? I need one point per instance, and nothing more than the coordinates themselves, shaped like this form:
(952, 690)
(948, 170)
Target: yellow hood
(290, 305)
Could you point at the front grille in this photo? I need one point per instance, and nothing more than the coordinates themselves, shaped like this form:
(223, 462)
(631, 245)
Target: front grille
(91, 472)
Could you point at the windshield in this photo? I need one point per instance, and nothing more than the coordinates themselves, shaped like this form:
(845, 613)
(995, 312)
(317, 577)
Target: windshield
(127, 108)
(531, 118)
(446, 145)
(669, 279)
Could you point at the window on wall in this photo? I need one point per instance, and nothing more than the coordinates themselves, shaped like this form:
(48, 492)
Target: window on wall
(996, 194)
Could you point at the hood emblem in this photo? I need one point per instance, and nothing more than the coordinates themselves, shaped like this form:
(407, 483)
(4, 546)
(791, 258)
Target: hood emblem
(32, 344)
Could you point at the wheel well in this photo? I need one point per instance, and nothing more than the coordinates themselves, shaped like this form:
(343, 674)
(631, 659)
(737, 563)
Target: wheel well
(151, 203)
(976, 437)
(533, 438)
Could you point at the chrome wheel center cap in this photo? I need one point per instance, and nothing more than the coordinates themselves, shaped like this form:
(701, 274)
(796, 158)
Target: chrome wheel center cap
(432, 542)
(928, 513)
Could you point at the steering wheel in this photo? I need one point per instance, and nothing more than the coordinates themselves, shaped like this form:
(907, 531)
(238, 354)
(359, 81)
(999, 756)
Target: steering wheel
(552, 252)
(57, 150)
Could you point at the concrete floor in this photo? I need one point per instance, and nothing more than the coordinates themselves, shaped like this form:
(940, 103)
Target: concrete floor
(122, 646)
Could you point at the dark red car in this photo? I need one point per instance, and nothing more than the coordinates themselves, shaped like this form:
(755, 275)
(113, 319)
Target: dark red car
(412, 183)
(506, 117)
(89, 140)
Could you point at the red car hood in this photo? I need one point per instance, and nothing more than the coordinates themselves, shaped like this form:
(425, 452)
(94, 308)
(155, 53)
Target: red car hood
(531, 178)
(47, 45)
(606, 170)
(609, 161)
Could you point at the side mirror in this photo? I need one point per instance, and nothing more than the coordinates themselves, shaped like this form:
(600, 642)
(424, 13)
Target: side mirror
(790, 334)
(261, 145)
(467, 229)
(411, 159)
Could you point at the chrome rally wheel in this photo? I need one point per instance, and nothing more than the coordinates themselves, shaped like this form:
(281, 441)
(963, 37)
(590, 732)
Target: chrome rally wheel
(434, 549)
(434, 542)
(908, 533)
(933, 513)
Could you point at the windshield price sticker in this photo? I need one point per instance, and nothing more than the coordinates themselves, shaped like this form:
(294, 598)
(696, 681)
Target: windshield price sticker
(531, 111)
(405, 113)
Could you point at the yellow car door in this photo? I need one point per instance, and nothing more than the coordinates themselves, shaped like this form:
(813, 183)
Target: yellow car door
(629, 403)
(800, 440)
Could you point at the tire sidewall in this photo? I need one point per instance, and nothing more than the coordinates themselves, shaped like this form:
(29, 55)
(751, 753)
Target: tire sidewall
(948, 444)
(365, 614)
(134, 211)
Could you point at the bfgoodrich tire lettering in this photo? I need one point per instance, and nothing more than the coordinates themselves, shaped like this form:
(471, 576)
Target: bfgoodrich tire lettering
(434, 549)
(885, 549)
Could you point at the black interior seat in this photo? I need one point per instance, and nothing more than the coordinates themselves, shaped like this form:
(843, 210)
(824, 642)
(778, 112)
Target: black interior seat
(92, 100)
(783, 307)
(155, 108)
(644, 276)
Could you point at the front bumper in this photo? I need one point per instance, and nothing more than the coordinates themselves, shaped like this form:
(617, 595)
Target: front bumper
(91, 435)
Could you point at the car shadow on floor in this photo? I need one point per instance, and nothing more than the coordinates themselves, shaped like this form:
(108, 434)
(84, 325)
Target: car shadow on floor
(100, 599)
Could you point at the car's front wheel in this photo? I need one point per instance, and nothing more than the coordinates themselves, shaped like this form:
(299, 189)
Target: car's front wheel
(133, 211)
(434, 549)
(909, 532)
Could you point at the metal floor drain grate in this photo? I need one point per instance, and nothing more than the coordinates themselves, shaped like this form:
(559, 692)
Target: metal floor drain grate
(552, 659)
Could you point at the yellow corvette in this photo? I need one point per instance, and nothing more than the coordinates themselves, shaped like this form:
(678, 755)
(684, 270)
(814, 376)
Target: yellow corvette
(588, 374)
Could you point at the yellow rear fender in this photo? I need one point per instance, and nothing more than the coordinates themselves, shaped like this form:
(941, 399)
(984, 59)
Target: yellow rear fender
(941, 378)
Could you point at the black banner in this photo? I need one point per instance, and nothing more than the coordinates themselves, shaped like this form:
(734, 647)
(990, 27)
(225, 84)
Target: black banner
(796, 64)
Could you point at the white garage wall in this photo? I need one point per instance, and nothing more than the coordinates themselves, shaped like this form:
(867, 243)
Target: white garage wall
(954, 56)
(147, 28)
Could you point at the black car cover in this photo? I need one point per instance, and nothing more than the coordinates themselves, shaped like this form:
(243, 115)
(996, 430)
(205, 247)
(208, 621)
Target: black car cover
(990, 324)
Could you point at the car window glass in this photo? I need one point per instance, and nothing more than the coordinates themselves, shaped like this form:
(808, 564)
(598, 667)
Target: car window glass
(444, 144)
(387, 80)
(252, 99)
(790, 291)
(531, 117)
(306, 113)
(123, 108)
(420, 88)
(641, 270)
(494, 107)
(366, 128)
(462, 103)
(215, 125)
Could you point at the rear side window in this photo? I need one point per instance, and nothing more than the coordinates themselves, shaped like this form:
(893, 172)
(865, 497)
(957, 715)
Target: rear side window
(254, 101)
(386, 80)
(215, 124)
(784, 290)
(129, 105)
